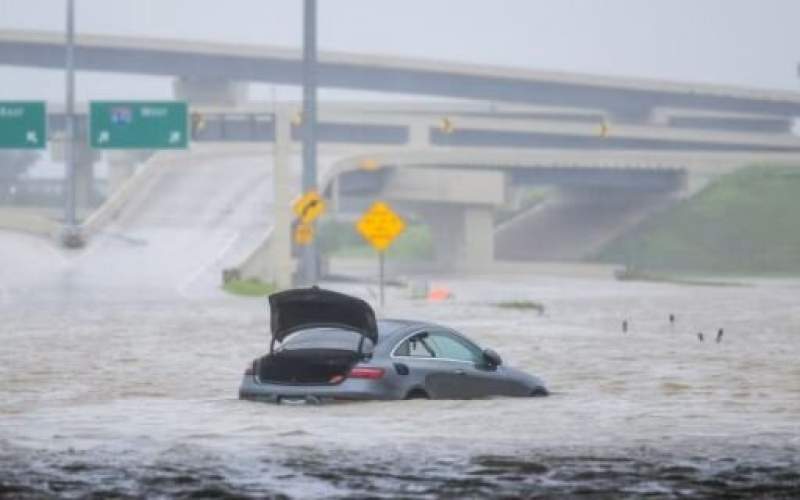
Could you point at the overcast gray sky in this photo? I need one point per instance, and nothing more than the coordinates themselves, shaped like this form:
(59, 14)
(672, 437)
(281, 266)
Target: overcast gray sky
(736, 42)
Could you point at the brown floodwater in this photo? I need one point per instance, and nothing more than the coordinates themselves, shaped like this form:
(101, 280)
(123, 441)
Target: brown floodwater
(120, 365)
(137, 397)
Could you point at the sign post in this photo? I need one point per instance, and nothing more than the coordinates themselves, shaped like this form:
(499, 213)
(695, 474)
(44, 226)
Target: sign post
(138, 125)
(381, 274)
(308, 257)
(71, 236)
(22, 125)
(307, 208)
(380, 225)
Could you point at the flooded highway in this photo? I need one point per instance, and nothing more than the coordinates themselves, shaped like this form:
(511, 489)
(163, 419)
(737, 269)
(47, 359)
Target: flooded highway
(613, 212)
(120, 367)
(115, 395)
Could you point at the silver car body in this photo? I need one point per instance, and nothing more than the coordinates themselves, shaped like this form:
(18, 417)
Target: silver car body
(470, 373)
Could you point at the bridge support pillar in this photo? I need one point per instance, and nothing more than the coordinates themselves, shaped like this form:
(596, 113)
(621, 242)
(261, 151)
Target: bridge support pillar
(458, 205)
(463, 236)
(211, 91)
(478, 245)
(272, 260)
(281, 249)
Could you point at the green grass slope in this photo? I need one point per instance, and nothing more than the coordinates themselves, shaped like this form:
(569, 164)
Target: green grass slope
(747, 222)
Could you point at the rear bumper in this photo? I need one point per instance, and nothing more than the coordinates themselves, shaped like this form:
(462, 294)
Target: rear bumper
(350, 389)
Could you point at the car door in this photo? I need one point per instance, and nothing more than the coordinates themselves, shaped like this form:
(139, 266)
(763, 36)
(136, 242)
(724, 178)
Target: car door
(457, 358)
(441, 377)
(476, 378)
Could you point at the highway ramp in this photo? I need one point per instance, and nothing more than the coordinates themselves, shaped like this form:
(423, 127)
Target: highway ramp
(198, 214)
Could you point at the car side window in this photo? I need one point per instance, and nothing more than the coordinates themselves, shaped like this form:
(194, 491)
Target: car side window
(416, 346)
(448, 346)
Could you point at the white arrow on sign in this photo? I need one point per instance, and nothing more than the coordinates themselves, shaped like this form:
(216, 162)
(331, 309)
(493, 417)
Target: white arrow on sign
(103, 137)
(30, 136)
(174, 137)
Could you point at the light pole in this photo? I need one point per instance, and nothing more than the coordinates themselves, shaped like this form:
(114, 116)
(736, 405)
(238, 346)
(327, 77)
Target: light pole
(308, 262)
(71, 236)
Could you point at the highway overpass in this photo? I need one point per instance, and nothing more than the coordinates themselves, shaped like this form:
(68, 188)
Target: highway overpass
(524, 127)
(366, 125)
(204, 65)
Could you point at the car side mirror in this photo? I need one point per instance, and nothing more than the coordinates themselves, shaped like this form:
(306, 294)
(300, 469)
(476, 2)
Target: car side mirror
(492, 358)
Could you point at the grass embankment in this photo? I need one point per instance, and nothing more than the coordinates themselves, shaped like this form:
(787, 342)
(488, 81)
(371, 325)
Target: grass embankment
(249, 287)
(340, 239)
(745, 223)
(522, 305)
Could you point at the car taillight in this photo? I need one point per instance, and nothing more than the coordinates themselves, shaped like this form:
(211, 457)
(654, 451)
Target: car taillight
(366, 372)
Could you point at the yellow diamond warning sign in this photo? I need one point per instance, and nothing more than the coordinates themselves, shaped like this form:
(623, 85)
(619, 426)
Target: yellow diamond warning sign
(380, 225)
(308, 207)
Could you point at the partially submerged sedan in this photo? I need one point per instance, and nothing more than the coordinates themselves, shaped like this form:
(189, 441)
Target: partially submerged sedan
(328, 346)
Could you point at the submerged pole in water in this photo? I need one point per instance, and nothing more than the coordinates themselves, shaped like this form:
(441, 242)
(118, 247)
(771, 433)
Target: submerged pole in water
(381, 274)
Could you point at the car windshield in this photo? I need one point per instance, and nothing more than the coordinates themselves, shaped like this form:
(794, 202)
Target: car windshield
(324, 338)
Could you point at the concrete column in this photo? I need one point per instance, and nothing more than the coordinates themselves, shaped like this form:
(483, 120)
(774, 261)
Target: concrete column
(463, 236)
(281, 245)
(478, 237)
(210, 91)
(445, 226)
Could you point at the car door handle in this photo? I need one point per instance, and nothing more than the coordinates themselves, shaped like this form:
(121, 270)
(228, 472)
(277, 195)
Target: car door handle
(460, 372)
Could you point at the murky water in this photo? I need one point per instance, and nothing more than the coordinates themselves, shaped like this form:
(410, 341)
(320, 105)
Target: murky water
(120, 365)
(138, 398)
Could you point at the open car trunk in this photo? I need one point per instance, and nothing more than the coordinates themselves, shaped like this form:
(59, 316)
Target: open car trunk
(305, 366)
(304, 308)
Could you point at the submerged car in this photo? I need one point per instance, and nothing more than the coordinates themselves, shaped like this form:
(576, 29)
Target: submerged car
(328, 346)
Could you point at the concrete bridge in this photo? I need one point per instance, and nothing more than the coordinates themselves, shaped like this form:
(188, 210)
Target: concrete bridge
(456, 184)
(416, 129)
(459, 192)
(217, 72)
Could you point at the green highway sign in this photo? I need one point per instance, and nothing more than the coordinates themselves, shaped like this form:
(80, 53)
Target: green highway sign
(23, 125)
(138, 125)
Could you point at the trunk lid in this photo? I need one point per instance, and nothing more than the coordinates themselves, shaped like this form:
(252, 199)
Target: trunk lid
(301, 308)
